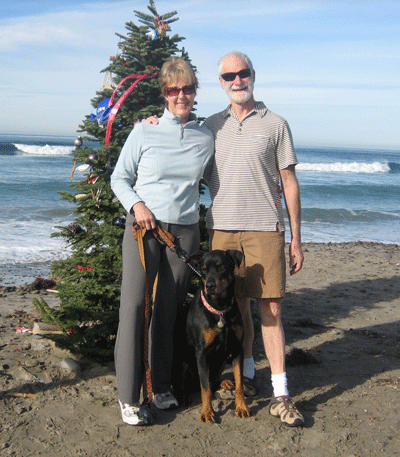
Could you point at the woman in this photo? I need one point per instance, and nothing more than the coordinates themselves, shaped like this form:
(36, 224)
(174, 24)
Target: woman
(167, 161)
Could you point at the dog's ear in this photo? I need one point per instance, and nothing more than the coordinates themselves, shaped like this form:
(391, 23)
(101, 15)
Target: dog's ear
(237, 256)
(196, 257)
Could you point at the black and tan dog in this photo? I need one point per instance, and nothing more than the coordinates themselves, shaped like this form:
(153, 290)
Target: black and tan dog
(215, 328)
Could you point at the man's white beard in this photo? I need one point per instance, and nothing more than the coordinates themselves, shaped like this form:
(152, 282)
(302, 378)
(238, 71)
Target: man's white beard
(240, 97)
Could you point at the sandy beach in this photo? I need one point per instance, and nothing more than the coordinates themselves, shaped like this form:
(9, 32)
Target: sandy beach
(341, 317)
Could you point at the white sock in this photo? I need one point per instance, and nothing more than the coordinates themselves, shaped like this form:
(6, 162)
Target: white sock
(248, 368)
(279, 384)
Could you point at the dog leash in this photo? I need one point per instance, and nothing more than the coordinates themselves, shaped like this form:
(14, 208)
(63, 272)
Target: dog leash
(138, 234)
(165, 238)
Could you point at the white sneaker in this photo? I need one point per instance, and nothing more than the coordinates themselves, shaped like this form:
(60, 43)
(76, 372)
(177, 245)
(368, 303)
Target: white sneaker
(130, 414)
(165, 401)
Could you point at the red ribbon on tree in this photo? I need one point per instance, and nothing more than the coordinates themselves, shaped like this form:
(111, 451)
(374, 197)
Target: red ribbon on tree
(81, 268)
(121, 100)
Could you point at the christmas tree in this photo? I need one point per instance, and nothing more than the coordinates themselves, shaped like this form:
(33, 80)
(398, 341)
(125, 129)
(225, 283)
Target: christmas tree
(89, 280)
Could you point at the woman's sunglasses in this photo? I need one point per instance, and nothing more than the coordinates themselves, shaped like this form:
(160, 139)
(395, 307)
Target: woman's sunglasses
(231, 76)
(174, 91)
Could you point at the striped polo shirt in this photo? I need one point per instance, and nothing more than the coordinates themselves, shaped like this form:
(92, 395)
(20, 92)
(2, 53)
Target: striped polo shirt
(244, 176)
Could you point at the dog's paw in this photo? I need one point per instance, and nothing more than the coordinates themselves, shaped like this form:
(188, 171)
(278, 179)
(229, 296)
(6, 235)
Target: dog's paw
(227, 384)
(242, 411)
(208, 416)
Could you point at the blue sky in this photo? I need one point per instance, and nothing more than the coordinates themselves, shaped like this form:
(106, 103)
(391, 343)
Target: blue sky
(331, 68)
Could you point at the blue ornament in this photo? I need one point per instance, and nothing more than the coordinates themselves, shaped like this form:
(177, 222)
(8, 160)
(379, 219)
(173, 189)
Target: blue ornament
(152, 34)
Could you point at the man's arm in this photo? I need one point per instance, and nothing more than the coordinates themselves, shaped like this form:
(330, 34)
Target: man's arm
(291, 192)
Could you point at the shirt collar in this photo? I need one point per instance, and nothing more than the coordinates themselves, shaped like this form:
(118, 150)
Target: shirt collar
(176, 119)
(260, 108)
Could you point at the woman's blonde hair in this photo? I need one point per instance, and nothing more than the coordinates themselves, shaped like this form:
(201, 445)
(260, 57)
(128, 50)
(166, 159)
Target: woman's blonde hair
(176, 69)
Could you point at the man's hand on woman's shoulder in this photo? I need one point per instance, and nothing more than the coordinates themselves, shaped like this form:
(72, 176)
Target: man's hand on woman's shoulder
(150, 120)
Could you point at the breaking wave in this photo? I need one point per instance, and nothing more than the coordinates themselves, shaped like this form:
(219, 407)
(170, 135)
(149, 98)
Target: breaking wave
(354, 167)
(45, 150)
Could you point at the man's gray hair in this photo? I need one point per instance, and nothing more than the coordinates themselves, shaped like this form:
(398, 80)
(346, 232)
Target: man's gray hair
(236, 54)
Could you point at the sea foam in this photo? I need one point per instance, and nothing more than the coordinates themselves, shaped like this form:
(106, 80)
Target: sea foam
(344, 167)
(45, 150)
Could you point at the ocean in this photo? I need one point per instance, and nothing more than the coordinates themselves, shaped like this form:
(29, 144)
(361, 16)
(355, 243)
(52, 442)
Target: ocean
(347, 195)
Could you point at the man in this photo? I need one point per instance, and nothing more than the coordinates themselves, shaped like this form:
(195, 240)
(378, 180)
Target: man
(254, 155)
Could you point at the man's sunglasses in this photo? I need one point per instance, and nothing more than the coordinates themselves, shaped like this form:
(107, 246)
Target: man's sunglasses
(174, 91)
(231, 76)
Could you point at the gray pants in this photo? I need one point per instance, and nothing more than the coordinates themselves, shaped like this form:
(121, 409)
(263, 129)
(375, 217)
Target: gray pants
(173, 278)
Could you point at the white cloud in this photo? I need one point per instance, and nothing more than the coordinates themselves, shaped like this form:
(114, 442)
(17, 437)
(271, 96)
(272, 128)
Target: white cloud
(90, 25)
(43, 33)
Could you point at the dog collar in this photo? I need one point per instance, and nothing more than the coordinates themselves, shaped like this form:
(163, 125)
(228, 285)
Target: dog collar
(221, 323)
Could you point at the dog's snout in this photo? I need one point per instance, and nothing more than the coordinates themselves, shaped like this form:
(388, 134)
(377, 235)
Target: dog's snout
(210, 284)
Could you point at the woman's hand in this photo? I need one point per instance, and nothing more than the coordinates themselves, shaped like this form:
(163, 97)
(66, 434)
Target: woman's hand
(144, 217)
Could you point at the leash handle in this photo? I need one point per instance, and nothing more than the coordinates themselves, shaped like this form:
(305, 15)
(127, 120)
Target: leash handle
(165, 238)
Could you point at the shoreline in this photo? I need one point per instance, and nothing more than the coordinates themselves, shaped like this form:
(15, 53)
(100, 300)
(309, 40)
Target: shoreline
(19, 274)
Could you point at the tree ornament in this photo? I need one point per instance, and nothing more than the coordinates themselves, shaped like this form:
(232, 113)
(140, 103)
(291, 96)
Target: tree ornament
(92, 157)
(81, 268)
(107, 83)
(119, 222)
(73, 170)
(162, 27)
(83, 167)
(152, 34)
(142, 100)
(103, 111)
(78, 142)
(75, 229)
(91, 178)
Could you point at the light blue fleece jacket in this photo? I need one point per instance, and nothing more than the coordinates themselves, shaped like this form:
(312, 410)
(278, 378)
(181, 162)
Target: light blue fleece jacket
(168, 160)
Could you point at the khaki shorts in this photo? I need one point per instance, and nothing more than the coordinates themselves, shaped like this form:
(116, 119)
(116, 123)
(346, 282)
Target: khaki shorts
(262, 273)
